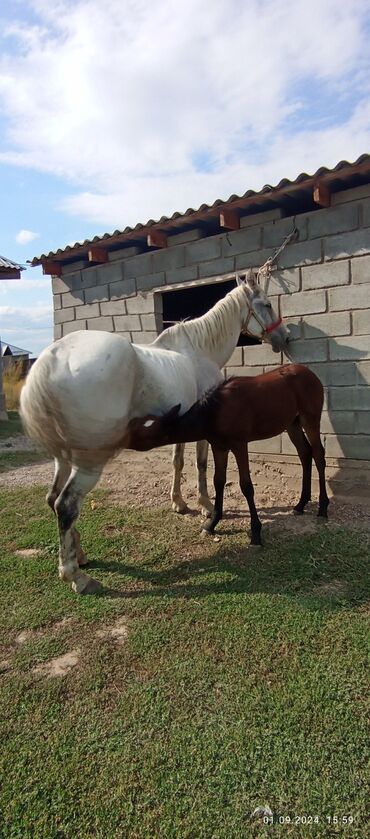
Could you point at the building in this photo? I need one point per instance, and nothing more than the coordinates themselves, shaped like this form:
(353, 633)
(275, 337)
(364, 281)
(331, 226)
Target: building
(138, 280)
(8, 271)
(15, 355)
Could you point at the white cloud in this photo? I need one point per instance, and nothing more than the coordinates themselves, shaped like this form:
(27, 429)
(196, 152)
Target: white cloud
(24, 315)
(26, 236)
(147, 113)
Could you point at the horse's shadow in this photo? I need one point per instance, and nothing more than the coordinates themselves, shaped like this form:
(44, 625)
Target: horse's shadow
(305, 570)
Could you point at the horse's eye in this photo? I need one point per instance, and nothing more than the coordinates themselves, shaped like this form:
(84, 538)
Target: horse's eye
(268, 306)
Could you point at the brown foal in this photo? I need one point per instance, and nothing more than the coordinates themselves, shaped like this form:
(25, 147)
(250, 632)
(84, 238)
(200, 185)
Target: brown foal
(238, 411)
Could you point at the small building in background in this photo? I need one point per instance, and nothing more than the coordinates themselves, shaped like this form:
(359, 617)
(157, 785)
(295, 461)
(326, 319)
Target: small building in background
(9, 270)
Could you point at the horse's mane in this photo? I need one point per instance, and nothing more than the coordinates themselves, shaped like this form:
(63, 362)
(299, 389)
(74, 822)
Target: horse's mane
(214, 326)
(211, 397)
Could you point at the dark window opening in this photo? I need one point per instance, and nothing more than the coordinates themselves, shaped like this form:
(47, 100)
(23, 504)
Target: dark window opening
(196, 301)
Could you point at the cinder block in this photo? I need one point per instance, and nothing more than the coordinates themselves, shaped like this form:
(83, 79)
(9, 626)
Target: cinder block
(366, 213)
(88, 278)
(338, 323)
(57, 331)
(322, 371)
(304, 253)
(333, 220)
(73, 326)
(270, 446)
(240, 241)
(338, 422)
(96, 294)
(360, 269)
(285, 281)
(91, 311)
(202, 251)
(236, 358)
(350, 398)
(260, 218)
(124, 288)
(126, 335)
(138, 265)
(347, 244)
(111, 272)
(347, 445)
(148, 323)
(182, 275)
(354, 194)
(349, 349)
(355, 297)
(191, 235)
(169, 259)
(324, 275)
(57, 301)
(114, 307)
(274, 234)
(150, 281)
(305, 351)
(127, 323)
(361, 321)
(73, 298)
(144, 304)
(124, 253)
(217, 267)
(342, 373)
(303, 303)
(286, 445)
(243, 371)
(144, 337)
(261, 354)
(363, 422)
(70, 282)
(104, 324)
(363, 372)
(254, 259)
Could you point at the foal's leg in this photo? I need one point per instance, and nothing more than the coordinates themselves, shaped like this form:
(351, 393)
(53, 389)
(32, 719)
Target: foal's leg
(312, 430)
(203, 498)
(178, 503)
(67, 508)
(62, 471)
(240, 453)
(304, 452)
(219, 480)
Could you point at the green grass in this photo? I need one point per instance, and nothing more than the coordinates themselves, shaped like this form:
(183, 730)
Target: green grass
(11, 426)
(10, 460)
(242, 681)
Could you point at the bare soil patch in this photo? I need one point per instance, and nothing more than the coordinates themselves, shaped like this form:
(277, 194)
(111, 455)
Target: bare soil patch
(59, 666)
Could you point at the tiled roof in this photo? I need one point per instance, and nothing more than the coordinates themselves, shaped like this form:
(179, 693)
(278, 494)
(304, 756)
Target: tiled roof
(7, 263)
(344, 173)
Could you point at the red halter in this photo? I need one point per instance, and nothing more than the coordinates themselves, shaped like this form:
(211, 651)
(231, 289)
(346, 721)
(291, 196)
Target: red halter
(273, 326)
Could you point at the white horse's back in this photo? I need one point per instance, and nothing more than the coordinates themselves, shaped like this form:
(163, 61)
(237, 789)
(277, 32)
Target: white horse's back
(78, 393)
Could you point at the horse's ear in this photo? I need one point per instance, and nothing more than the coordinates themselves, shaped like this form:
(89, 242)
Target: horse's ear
(249, 278)
(173, 412)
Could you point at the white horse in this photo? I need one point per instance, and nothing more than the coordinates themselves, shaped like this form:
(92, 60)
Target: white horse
(85, 388)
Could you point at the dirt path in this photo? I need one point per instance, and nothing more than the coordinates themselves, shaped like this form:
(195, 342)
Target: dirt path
(143, 479)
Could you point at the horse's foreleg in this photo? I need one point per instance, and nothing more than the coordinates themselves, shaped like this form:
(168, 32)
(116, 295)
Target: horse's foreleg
(67, 508)
(241, 455)
(62, 472)
(204, 501)
(219, 480)
(304, 452)
(178, 503)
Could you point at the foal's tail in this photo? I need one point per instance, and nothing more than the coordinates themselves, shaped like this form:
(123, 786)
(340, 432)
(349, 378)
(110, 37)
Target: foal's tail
(40, 411)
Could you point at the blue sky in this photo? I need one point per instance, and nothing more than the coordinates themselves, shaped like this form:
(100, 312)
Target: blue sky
(109, 119)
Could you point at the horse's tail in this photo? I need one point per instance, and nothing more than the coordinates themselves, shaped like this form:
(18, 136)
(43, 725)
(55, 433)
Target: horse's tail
(40, 411)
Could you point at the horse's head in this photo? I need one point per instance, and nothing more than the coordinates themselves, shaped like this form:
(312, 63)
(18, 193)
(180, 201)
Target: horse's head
(262, 321)
(148, 432)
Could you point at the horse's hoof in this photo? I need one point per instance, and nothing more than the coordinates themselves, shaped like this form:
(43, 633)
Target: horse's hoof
(297, 512)
(256, 545)
(206, 532)
(206, 513)
(83, 560)
(180, 508)
(86, 585)
(206, 506)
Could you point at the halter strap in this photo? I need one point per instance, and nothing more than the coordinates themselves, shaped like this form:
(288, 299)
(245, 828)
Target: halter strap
(273, 326)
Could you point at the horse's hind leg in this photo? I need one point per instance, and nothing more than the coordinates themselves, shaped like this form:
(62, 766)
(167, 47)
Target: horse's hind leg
(304, 452)
(312, 429)
(178, 503)
(62, 472)
(204, 501)
(67, 508)
(240, 453)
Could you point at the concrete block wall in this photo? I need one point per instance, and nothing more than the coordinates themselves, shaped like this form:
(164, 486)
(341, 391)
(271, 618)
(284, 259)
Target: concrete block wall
(322, 289)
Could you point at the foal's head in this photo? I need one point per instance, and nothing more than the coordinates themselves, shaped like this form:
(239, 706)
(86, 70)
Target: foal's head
(262, 321)
(150, 431)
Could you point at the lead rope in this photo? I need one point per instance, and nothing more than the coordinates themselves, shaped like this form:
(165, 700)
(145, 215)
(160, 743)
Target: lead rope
(264, 273)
